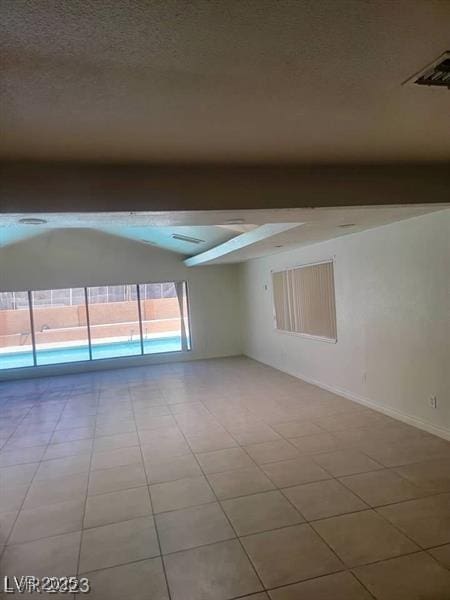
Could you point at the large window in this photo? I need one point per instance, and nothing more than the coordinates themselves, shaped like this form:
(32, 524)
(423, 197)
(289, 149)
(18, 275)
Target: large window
(78, 324)
(304, 300)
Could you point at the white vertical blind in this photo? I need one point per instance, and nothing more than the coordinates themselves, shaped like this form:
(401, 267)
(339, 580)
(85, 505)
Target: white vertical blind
(304, 300)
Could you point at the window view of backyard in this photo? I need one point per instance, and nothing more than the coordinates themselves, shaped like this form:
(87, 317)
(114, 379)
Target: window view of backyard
(16, 347)
(78, 324)
(60, 326)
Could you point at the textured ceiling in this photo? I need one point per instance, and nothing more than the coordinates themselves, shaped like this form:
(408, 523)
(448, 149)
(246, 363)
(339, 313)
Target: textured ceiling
(157, 228)
(234, 80)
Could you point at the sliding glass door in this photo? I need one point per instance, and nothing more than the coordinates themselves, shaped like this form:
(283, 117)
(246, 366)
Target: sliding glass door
(16, 345)
(165, 326)
(60, 326)
(114, 321)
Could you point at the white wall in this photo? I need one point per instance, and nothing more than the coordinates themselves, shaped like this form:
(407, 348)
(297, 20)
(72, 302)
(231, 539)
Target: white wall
(83, 257)
(393, 317)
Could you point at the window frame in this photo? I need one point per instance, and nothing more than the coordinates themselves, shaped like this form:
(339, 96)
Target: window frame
(308, 336)
(91, 358)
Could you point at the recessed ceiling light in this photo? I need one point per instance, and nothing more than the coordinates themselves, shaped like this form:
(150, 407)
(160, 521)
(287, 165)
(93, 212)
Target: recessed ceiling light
(32, 221)
(186, 238)
(235, 221)
(347, 225)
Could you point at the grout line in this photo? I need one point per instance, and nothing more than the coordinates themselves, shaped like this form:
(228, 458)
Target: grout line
(87, 487)
(37, 468)
(151, 503)
(225, 514)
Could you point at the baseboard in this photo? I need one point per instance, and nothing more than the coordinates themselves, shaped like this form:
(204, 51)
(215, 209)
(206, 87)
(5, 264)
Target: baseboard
(105, 364)
(442, 432)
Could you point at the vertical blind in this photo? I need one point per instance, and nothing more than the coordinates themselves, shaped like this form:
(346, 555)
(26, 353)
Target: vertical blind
(304, 300)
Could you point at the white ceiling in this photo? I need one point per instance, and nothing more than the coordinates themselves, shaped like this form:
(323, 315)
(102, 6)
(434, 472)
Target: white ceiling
(264, 231)
(239, 80)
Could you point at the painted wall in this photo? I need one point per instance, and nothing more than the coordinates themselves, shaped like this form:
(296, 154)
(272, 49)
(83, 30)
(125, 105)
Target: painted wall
(83, 257)
(393, 317)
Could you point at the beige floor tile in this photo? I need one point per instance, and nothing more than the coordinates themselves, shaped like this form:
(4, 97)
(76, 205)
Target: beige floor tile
(431, 475)
(355, 418)
(19, 456)
(47, 521)
(6, 524)
(426, 520)
(119, 543)
(240, 482)
(209, 442)
(323, 499)
(294, 429)
(71, 435)
(381, 487)
(57, 556)
(190, 527)
(12, 496)
(141, 411)
(182, 493)
(155, 422)
(320, 442)
(294, 472)
(113, 442)
(18, 475)
(112, 428)
(28, 441)
(339, 586)
(163, 450)
(414, 577)
(363, 537)
(62, 467)
(76, 422)
(116, 478)
(170, 470)
(214, 572)
(61, 489)
(442, 555)
(68, 449)
(269, 452)
(405, 452)
(143, 580)
(117, 506)
(346, 462)
(224, 460)
(289, 555)
(260, 512)
(116, 458)
(254, 434)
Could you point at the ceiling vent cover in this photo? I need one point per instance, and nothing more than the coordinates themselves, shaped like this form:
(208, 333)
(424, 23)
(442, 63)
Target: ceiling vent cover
(437, 74)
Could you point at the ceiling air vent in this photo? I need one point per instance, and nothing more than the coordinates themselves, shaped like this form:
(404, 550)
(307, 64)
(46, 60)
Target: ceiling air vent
(437, 74)
(186, 238)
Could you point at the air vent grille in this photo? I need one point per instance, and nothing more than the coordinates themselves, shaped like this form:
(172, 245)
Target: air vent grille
(435, 75)
(186, 238)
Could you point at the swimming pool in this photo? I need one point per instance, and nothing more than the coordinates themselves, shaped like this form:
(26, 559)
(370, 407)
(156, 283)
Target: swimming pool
(52, 356)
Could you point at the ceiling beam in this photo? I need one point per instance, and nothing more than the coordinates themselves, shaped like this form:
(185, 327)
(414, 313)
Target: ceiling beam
(31, 187)
(239, 242)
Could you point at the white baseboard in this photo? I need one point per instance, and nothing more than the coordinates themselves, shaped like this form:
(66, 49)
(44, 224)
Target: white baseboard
(442, 432)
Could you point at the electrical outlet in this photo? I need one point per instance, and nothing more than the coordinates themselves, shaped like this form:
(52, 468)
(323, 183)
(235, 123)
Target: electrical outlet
(432, 401)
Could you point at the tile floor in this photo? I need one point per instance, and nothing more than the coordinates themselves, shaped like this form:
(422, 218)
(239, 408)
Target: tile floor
(217, 480)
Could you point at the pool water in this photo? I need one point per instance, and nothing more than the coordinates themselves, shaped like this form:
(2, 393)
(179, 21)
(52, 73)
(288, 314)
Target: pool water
(52, 356)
